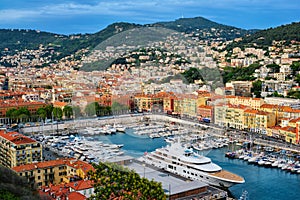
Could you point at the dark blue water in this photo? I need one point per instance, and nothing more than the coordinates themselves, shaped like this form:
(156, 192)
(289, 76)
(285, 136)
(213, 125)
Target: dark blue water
(261, 183)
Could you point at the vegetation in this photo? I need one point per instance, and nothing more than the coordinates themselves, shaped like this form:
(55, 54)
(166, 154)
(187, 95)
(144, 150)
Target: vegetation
(256, 88)
(274, 68)
(21, 114)
(112, 181)
(117, 107)
(14, 187)
(264, 38)
(94, 109)
(199, 24)
(192, 74)
(239, 73)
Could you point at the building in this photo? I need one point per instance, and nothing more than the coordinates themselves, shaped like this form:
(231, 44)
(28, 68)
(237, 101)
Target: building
(254, 103)
(17, 149)
(54, 171)
(241, 88)
(258, 121)
(205, 113)
(189, 106)
(6, 105)
(234, 116)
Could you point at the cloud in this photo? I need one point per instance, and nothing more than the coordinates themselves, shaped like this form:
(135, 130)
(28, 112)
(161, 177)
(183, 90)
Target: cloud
(40, 13)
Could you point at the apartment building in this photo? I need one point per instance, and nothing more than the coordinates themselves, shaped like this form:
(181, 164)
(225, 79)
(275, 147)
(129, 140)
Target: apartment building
(17, 149)
(254, 103)
(54, 171)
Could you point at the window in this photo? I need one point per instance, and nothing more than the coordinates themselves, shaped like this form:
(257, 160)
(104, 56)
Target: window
(39, 177)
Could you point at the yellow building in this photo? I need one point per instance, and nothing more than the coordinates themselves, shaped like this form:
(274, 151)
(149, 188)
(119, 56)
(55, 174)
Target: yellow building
(258, 121)
(178, 105)
(203, 97)
(254, 103)
(17, 149)
(289, 134)
(189, 106)
(279, 111)
(150, 102)
(234, 116)
(53, 171)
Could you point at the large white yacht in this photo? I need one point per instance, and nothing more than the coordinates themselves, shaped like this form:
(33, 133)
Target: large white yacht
(184, 162)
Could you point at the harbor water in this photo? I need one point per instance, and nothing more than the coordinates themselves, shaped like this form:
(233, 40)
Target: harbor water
(261, 183)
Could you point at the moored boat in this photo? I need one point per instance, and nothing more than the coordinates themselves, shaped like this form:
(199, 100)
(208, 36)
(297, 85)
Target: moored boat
(185, 162)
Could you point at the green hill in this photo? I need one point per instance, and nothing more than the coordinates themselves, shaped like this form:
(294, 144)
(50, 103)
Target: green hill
(264, 38)
(205, 29)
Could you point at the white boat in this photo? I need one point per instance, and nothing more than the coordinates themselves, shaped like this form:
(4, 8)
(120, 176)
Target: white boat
(184, 162)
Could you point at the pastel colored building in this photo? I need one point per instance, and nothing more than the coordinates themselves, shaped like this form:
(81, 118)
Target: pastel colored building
(54, 171)
(17, 149)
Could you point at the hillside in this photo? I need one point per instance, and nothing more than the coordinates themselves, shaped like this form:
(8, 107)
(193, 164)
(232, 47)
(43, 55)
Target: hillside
(264, 38)
(15, 39)
(205, 29)
(18, 40)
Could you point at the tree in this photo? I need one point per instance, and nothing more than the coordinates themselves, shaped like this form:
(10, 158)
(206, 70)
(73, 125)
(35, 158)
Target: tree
(117, 107)
(192, 74)
(274, 68)
(91, 109)
(49, 109)
(68, 111)
(76, 111)
(57, 113)
(112, 181)
(256, 88)
(42, 113)
(12, 113)
(295, 67)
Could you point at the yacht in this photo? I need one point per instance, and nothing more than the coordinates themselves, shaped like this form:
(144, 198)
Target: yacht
(184, 162)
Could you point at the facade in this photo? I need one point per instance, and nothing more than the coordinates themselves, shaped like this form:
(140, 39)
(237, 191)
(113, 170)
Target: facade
(6, 105)
(17, 149)
(258, 121)
(234, 116)
(205, 112)
(220, 114)
(189, 106)
(54, 171)
(254, 103)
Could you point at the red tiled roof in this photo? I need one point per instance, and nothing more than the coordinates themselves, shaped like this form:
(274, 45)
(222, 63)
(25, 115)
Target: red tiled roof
(59, 104)
(77, 164)
(295, 120)
(76, 196)
(16, 138)
(81, 185)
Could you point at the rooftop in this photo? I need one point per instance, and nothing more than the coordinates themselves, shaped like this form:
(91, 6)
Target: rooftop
(16, 138)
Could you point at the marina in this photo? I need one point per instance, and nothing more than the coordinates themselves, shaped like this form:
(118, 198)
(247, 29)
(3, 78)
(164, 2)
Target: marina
(260, 182)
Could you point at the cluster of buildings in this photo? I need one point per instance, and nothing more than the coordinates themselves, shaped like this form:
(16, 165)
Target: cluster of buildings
(64, 178)
(280, 120)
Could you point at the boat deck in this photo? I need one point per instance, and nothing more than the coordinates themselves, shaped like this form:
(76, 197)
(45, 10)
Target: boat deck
(228, 175)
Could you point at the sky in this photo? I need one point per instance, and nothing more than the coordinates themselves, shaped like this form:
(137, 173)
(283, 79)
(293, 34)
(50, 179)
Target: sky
(90, 16)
